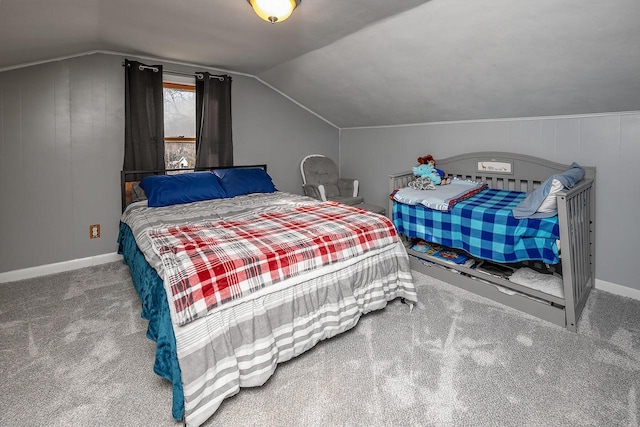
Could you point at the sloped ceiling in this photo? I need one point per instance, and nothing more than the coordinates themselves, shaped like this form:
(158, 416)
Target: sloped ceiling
(369, 62)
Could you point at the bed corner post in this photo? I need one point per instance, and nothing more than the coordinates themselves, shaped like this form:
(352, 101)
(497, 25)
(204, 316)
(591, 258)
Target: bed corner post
(389, 201)
(122, 190)
(576, 208)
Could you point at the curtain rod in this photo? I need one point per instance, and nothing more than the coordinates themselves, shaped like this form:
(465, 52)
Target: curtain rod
(180, 73)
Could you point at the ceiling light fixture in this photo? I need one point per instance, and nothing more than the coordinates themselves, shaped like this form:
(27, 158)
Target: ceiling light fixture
(274, 10)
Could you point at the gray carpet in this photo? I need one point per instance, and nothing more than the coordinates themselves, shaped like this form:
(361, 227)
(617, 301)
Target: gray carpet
(74, 353)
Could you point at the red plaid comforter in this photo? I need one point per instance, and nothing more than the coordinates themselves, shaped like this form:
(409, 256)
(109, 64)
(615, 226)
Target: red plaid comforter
(210, 263)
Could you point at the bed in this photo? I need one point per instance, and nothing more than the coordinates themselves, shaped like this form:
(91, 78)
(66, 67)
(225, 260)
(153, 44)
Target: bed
(238, 279)
(542, 264)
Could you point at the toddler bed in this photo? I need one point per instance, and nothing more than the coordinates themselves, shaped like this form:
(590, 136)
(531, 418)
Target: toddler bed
(541, 263)
(236, 277)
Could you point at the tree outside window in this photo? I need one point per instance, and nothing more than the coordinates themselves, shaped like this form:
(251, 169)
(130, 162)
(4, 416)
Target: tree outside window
(179, 125)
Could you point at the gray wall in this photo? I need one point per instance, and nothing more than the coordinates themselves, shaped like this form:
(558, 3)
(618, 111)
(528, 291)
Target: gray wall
(611, 142)
(269, 128)
(62, 147)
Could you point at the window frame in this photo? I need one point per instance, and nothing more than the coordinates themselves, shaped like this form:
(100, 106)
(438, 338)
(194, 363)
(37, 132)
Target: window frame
(170, 83)
(185, 87)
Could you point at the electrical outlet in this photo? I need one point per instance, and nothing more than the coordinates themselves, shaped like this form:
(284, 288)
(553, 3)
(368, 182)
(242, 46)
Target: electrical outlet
(94, 231)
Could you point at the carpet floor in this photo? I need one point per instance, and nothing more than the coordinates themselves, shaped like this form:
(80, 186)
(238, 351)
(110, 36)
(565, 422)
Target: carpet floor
(74, 353)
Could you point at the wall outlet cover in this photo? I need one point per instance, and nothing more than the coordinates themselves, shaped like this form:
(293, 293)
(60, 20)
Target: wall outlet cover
(94, 231)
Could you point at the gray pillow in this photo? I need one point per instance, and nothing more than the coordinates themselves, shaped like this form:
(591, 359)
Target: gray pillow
(137, 193)
(528, 208)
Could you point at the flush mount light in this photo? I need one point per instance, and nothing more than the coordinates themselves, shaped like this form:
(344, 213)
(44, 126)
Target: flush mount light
(274, 10)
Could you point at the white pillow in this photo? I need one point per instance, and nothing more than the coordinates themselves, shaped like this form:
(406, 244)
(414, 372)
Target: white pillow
(550, 203)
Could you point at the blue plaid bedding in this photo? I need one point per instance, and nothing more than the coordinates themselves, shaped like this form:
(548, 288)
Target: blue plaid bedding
(483, 226)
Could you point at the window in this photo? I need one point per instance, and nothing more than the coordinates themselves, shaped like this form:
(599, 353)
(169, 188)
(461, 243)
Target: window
(179, 125)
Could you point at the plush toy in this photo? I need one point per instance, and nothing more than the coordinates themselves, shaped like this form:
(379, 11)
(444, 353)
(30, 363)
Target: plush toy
(426, 170)
(422, 183)
(429, 160)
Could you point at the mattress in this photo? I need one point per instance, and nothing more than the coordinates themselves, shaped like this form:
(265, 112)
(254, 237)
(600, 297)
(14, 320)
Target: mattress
(484, 226)
(239, 344)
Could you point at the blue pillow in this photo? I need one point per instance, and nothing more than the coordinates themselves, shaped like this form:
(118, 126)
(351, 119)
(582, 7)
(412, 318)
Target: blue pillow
(528, 208)
(166, 190)
(237, 182)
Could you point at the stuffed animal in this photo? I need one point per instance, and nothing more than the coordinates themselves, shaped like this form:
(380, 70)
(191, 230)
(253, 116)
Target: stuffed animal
(422, 183)
(426, 170)
(429, 160)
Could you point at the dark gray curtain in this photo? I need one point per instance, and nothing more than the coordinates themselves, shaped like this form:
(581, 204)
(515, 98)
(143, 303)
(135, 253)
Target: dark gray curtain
(144, 118)
(214, 146)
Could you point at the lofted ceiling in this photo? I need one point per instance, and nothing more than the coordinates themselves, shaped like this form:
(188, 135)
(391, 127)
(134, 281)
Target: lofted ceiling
(368, 62)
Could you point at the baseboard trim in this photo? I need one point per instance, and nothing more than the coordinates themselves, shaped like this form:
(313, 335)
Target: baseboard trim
(58, 267)
(624, 291)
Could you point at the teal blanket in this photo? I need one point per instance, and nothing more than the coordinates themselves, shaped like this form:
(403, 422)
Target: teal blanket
(156, 310)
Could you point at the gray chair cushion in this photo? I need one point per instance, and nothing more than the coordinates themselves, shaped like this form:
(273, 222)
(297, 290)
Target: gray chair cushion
(332, 190)
(321, 170)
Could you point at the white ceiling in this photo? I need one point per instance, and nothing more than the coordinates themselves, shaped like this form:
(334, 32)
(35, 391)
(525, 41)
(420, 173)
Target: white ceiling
(369, 62)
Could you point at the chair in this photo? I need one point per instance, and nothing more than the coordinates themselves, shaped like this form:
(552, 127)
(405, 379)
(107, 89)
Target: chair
(321, 180)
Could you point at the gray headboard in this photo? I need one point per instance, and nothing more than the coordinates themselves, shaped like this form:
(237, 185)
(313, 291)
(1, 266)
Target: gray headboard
(500, 170)
(505, 170)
